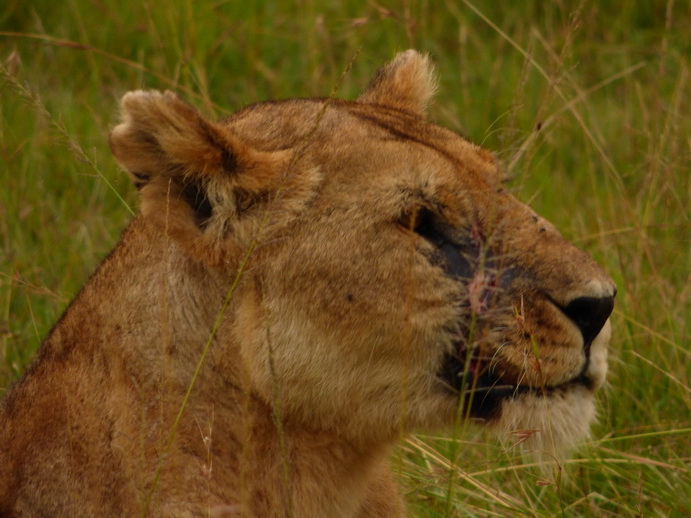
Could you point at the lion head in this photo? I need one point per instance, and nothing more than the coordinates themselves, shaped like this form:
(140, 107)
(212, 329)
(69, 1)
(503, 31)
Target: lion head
(388, 278)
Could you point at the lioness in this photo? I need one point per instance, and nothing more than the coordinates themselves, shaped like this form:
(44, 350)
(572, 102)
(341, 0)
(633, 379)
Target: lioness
(306, 280)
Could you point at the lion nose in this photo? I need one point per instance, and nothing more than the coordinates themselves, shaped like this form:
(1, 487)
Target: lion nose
(590, 315)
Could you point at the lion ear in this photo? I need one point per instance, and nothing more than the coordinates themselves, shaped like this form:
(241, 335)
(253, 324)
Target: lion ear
(408, 83)
(188, 169)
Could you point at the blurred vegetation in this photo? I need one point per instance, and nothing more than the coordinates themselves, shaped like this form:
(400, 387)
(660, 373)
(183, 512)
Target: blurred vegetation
(587, 104)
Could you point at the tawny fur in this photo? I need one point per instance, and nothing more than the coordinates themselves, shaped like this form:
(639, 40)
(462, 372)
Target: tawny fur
(270, 246)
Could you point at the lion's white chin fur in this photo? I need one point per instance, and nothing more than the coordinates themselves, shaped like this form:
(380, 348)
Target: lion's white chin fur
(597, 368)
(548, 427)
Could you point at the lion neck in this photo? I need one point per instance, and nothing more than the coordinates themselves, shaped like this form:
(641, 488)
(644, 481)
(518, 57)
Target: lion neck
(312, 472)
(153, 329)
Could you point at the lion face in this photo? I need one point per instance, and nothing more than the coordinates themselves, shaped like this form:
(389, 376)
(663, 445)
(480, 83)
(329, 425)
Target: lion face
(393, 279)
(425, 281)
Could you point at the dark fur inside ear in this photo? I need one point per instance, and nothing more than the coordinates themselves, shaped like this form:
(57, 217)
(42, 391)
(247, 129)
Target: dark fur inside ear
(246, 200)
(229, 161)
(140, 179)
(194, 194)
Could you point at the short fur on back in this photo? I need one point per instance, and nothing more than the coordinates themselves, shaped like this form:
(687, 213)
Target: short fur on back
(305, 280)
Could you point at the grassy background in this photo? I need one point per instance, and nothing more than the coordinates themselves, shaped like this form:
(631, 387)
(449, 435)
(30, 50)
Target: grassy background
(588, 104)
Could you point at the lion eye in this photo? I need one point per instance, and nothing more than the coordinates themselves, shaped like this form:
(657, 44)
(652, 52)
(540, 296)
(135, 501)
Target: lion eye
(418, 219)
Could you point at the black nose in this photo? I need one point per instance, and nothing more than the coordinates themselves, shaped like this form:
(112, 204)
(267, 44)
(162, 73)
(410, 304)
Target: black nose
(589, 314)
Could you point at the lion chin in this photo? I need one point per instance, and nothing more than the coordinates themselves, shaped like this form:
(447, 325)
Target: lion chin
(547, 421)
(306, 280)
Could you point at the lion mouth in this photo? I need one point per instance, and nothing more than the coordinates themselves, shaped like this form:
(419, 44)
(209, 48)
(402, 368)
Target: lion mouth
(469, 375)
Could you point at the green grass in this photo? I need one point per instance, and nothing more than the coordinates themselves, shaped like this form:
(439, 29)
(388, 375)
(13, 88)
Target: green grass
(606, 83)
